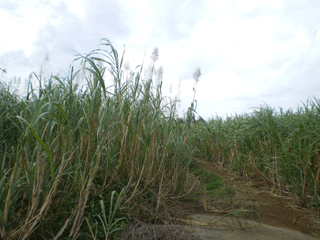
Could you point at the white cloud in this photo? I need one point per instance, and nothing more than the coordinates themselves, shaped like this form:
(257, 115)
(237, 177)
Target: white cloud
(249, 51)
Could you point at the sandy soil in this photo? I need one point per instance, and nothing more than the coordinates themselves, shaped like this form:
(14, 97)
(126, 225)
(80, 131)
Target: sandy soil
(228, 228)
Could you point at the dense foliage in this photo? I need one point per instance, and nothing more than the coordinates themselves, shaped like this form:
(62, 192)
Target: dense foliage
(282, 147)
(80, 162)
(77, 162)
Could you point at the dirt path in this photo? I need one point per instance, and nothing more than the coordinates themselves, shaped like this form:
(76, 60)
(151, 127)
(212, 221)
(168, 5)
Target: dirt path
(275, 216)
(228, 228)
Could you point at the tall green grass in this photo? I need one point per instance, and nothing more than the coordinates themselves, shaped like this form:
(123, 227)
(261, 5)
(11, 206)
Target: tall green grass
(283, 147)
(66, 151)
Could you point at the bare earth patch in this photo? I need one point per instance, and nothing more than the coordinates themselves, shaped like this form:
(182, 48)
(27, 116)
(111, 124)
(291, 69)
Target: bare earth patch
(267, 205)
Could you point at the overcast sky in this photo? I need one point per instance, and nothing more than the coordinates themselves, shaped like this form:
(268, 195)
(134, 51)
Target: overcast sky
(250, 52)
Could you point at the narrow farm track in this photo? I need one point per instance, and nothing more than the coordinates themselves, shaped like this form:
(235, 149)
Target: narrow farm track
(254, 212)
(266, 208)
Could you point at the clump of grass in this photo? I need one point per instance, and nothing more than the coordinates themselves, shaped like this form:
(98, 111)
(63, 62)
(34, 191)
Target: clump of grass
(211, 181)
(215, 186)
(146, 231)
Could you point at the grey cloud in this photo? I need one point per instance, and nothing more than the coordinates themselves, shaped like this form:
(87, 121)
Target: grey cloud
(12, 7)
(9, 5)
(296, 85)
(18, 65)
(108, 16)
(172, 14)
(303, 13)
(73, 34)
(306, 78)
(15, 58)
(45, 2)
(284, 37)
